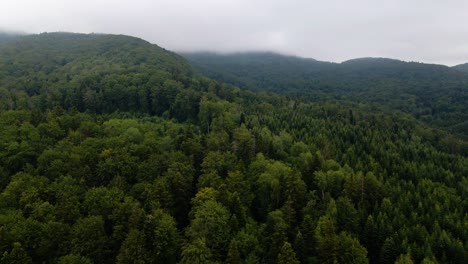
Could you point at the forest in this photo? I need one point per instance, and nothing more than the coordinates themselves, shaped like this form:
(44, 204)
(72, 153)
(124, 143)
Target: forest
(115, 150)
(434, 94)
(461, 67)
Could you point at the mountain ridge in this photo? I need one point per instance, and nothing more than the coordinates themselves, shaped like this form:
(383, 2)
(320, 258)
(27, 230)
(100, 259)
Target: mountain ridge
(88, 71)
(290, 55)
(461, 67)
(113, 151)
(433, 92)
(7, 36)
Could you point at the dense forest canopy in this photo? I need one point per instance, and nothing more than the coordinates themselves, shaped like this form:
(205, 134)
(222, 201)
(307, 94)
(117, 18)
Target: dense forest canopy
(113, 151)
(435, 94)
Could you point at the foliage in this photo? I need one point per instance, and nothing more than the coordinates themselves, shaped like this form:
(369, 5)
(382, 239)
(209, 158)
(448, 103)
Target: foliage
(90, 174)
(434, 94)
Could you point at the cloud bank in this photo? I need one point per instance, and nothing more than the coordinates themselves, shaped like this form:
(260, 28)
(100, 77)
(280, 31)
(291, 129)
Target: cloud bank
(428, 31)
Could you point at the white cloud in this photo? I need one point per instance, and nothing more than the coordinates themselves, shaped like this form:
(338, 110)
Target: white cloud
(333, 30)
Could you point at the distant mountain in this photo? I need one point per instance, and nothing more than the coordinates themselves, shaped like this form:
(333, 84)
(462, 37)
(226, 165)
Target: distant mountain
(6, 36)
(436, 94)
(461, 67)
(258, 70)
(280, 73)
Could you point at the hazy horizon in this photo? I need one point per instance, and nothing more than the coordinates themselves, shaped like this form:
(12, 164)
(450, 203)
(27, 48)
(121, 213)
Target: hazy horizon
(421, 31)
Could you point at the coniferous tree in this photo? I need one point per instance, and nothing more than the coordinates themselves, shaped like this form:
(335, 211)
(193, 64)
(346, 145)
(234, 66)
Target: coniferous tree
(233, 255)
(287, 255)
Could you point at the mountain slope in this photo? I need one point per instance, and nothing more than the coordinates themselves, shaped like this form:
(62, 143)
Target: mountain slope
(257, 70)
(461, 67)
(60, 49)
(111, 151)
(7, 36)
(95, 71)
(435, 94)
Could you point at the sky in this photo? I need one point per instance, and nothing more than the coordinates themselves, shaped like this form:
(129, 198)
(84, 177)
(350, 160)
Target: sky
(431, 31)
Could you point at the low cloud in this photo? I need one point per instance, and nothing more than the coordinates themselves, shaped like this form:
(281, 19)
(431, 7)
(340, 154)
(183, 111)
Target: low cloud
(336, 30)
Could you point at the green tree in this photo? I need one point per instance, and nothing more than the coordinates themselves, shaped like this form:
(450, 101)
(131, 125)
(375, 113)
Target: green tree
(180, 179)
(350, 250)
(243, 144)
(389, 251)
(233, 255)
(299, 247)
(162, 236)
(404, 259)
(88, 238)
(327, 240)
(17, 255)
(68, 193)
(197, 253)
(275, 233)
(347, 218)
(133, 249)
(74, 259)
(211, 222)
(287, 255)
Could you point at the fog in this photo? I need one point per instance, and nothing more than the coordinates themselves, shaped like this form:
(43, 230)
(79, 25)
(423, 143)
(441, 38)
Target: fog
(425, 31)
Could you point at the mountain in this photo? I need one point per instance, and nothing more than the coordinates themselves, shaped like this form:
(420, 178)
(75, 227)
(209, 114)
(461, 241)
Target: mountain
(435, 94)
(97, 71)
(59, 49)
(461, 67)
(7, 36)
(112, 150)
(258, 70)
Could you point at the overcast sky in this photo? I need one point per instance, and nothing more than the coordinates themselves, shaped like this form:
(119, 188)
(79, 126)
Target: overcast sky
(433, 31)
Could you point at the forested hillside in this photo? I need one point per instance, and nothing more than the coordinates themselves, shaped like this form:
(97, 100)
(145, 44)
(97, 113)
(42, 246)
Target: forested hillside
(5, 36)
(113, 151)
(435, 94)
(461, 67)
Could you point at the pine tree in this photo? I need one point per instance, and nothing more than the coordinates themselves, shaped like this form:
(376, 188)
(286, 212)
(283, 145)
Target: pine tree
(404, 259)
(287, 255)
(300, 247)
(389, 251)
(327, 240)
(233, 256)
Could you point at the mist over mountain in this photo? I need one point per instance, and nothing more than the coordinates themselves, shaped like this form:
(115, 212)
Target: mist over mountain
(6, 35)
(436, 94)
